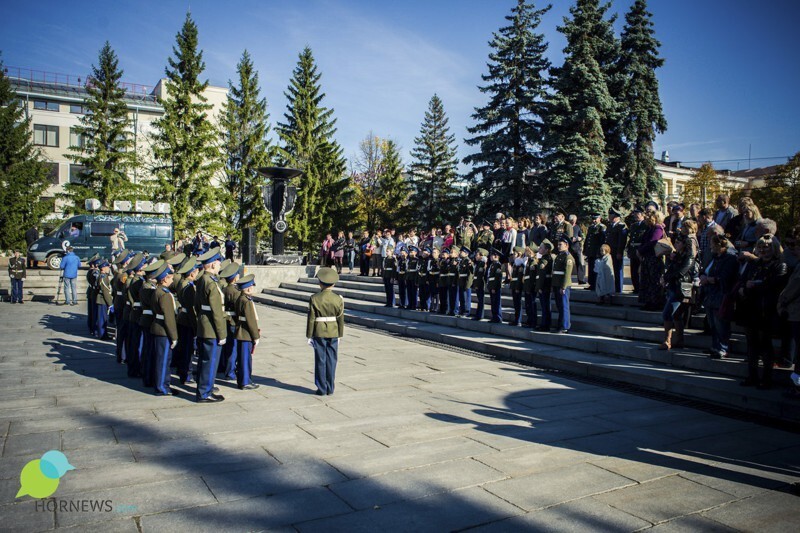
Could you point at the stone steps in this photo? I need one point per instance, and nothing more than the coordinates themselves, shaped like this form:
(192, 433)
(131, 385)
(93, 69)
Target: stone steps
(715, 382)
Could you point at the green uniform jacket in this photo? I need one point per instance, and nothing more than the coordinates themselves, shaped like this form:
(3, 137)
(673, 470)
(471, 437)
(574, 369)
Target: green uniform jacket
(16, 268)
(118, 286)
(389, 268)
(635, 235)
(529, 277)
(146, 294)
(562, 270)
(127, 308)
(412, 270)
(186, 313)
(444, 272)
(231, 293)
(479, 279)
(325, 315)
(209, 309)
(247, 319)
(176, 283)
(466, 273)
(104, 293)
(595, 238)
(563, 228)
(617, 238)
(164, 319)
(494, 276)
(134, 289)
(517, 275)
(485, 239)
(544, 273)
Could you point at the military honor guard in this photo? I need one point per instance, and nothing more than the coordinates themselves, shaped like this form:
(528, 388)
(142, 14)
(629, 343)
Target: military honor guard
(227, 363)
(212, 328)
(444, 280)
(164, 330)
(187, 319)
(248, 333)
(324, 328)
(563, 265)
(635, 237)
(119, 285)
(519, 264)
(452, 289)
(422, 280)
(103, 301)
(617, 239)
(529, 287)
(412, 278)
(466, 277)
(91, 293)
(389, 275)
(16, 273)
(494, 283)
(433, 281)
(595, 238)
(479, 281)
(134, 345)
(146, 293)
(544, 282)
(402, 269)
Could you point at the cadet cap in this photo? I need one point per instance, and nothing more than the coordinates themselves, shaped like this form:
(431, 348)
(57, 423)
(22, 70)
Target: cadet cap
(176, 259)
(548, 244)
(189, 265)
(483, 251)
(152, 269)
(229, 271)
(614, 213)
(327, 276)
(163, 271)
(210, 256)
(136, 263)
(465, 250)
(247, 281)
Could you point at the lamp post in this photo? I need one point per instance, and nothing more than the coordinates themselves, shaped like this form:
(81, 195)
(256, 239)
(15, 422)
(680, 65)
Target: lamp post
(279, 200)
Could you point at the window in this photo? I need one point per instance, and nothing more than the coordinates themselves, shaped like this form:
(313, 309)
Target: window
(75, 173)
(76, 140)
(45, 105)
(77, 109)
(163, 232)
(53, 173)
(105, 229)
(45, 135)
(139, 230)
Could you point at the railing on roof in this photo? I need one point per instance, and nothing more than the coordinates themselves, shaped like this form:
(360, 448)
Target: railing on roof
(64, 82)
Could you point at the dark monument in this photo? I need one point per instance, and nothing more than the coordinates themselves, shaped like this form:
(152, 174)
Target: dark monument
(279, 199)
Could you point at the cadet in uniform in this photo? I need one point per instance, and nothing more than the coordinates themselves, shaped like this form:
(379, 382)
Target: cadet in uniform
(635, 236)
(175, 262)
(452, 299)
(134, 348)
(517, 274)
(595, 238)
(164, 330)
(544, 275)
(563, 266)
(433, 281)
(211, 326)
(422, 280)
(248, 333)
(617, 239)
(227, 362)
(389, 275)
(485, 238)
(412, 274)
(187, 319)
(324, 327)
(529, 287)
(91, 293)
(118, 285)
(103, 301)
(402, 267)
(466, 276)
(494, 283)
(16, 271)
(444, 281)
(479, 281)
(146, 294)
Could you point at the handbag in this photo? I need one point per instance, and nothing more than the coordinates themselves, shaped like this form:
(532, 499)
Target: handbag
(663, 247)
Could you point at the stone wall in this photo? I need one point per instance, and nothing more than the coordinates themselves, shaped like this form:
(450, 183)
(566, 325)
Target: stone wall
(270, 276)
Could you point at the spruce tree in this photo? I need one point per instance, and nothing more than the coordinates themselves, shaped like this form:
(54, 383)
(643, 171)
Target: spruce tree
(324, 193)
(508, 129)
(23, 174)
(643, 116)
(106, 148)
(395, 209)
(245, 129)
(185, 148)
(433, 169)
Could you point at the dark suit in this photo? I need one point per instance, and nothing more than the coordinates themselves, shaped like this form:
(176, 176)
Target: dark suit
(576, 249)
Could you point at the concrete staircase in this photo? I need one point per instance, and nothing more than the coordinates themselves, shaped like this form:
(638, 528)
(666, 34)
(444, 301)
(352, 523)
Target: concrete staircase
(41, 285)
(618, 342)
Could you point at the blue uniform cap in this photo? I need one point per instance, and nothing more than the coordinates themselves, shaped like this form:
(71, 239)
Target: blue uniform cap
(466, 250)
(139, 266)
(413, 249)
(210, 256)
(104, 264)
(163, 272)
(247, 281)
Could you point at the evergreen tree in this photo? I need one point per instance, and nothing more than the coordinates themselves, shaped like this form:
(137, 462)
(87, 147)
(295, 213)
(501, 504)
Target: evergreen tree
(433, 170)
(245, 129)
(395, 211)
(575, 140)
(324, 192)
(23, 174)
(106, 148)
(508, 131)
(187, 157)
(643, 117)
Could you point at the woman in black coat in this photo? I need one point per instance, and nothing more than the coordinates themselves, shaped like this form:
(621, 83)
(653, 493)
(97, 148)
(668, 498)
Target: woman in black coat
(757, 308)
(678, 284)
(717, 280)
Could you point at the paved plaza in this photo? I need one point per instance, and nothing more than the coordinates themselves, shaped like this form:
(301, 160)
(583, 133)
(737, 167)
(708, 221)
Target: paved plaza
(416, 438)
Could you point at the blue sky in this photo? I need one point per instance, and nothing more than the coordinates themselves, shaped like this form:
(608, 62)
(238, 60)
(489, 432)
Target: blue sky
(730, 81)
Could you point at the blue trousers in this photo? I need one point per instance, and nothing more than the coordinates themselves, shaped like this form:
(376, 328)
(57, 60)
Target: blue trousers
(497, 306)
(148, 358)
(424, 296)
(411, 294)
(401, 286)
(544, 300)
(465, 300)
(481, 296)
(90, 318)
(244, 363)
(227, 363)
(122, 339)
(16, 290)
(720, 331)
(326, 355)
(100, 319)
(562, 304)
(388, 288)
(184, 352)
(163, 356)
(208, 351)
(134, 350)
(516, 297)
(452, 300)
(530, 309)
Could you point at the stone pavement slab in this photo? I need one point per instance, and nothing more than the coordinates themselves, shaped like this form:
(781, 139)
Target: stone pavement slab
(416, 438)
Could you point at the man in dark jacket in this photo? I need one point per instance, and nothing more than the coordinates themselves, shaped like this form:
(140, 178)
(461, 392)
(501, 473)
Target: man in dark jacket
(30, 237)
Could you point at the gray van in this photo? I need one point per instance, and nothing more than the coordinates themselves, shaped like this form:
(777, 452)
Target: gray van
(90, 234)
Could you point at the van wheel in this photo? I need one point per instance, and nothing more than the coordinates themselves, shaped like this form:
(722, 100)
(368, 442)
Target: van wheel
(53, 261)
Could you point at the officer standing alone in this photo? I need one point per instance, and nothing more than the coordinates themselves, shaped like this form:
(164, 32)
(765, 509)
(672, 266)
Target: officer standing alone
(324, 328)
(563, 266)
(212, 328)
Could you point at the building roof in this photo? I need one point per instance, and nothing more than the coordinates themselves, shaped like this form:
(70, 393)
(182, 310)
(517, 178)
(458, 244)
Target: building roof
(757, 172)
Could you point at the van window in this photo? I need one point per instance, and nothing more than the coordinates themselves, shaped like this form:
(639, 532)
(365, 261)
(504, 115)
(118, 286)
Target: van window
(163, 232)
(103, 229)
(139, 230)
